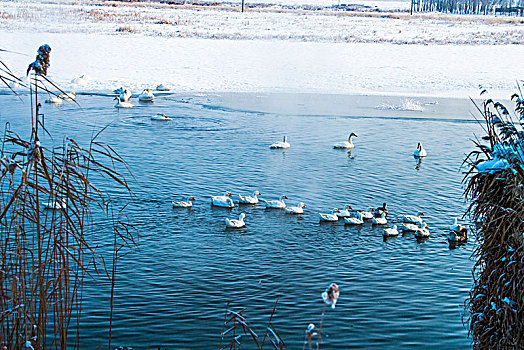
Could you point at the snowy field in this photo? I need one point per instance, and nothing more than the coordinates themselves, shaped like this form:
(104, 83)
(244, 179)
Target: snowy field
(275, 48)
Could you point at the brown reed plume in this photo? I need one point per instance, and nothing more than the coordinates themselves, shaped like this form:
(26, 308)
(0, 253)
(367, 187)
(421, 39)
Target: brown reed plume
(495, 186)
(48, 196)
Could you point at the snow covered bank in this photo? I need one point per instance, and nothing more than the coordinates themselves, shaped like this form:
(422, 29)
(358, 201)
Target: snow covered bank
(270, 49)
(139, 61)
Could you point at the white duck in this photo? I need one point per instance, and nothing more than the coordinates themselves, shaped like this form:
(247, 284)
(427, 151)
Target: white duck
(236, 223)
(249, 199)
(121, 104)
(187, 204)
(346, 144)
(329, 217)
(367, 215)
(276, 204)
(380, 220)
(346, 212)
(55, 205)
(160, 117)
(456, 227)
(423, 231)
(412, 219)
(223, 201)
(146, 96)
(281, 144)
(54, 100)
(68, 96)
(390, 232)
(295, 210)
(125, 95)
(406, 227)
(354, 220)
(420, 152)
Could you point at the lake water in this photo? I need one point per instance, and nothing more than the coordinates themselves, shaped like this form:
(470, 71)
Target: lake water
(172, 290)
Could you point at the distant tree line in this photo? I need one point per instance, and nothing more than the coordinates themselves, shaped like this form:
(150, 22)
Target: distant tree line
(508, 7)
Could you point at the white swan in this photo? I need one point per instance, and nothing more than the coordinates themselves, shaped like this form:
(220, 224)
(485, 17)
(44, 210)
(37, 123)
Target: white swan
(54, 100)
(423, 231)
(146, 96)
(281, 144)
(346, 144)
(120, 104)
(223, 201)
(406, 227)
(329, 217)
(125, 95)
(55, 205)
(390, 232)
(236, 223)
(68, 96)
(456, 227)
(420, 152)
(295, 210)
(354, 220)
(412, 219)
(380, 220)
(346, 212)
(162, 87)
(161, 117)
(186, 204)
(249, 199)
(276, 204)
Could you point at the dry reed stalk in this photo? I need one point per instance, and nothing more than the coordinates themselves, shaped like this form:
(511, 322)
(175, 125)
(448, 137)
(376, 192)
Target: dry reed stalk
(45, 254)
(495, 186)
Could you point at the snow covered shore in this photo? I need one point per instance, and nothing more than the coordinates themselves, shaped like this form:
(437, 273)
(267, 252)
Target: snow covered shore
(211, 49)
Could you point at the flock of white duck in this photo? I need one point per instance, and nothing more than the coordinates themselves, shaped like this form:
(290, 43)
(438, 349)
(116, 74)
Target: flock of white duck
(377, 216)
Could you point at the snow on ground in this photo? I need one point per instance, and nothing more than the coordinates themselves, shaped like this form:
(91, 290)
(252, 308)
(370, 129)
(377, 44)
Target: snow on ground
(192, 49)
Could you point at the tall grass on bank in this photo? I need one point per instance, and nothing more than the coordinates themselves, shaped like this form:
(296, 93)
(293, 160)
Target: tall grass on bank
(47, 197)
(495, 185)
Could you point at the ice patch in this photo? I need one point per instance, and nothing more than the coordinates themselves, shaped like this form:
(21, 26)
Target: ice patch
(405, 105)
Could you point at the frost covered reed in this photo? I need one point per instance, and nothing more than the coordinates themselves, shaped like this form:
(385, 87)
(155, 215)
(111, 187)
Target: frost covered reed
(46, 203)
(495, 186)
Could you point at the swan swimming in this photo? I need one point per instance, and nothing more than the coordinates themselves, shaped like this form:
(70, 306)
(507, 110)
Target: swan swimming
(224, 201)
(354, 220)
(346, 144)
(346, 212)
(329, 217)
(380, 220)
(412, 219)
(381, 210)
(54, 100)
(367, 215)
(407, 227)
(420, 152)
(121, 104)
(456, 227)
(236, 223)
(423, 231)
(281, 144)
(390, 232)
(187, 204)
(295, 210)
(276, 204)
(249, 199)
(160, 117)
(146, 96)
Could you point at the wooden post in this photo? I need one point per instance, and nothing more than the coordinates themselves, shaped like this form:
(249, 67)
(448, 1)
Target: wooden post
(242, 5)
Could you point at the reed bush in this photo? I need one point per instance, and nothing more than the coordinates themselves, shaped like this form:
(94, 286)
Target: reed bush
(495, 186)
